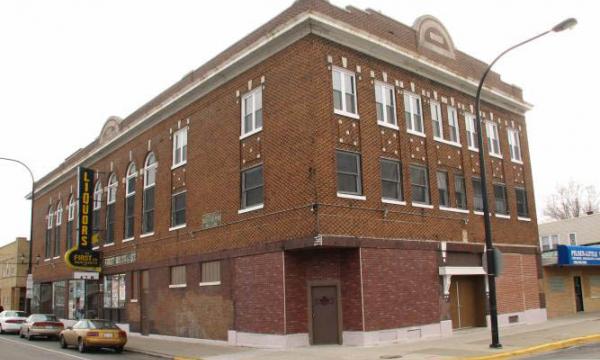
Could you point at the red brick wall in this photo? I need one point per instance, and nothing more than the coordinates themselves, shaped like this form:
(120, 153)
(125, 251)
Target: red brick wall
(303, 267)
(258, 293)
(401, 288)
(518, 287)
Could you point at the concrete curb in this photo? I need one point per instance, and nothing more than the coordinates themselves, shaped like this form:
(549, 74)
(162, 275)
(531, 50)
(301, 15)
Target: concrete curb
(557, 345)
(160, 355)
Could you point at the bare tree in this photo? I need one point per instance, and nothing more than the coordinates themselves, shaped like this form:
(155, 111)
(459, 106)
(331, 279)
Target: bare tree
(571, 200)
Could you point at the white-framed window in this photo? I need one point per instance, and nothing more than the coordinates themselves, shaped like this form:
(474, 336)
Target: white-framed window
(453, 131)
(48, 240)
(443, 191)
(391, 180)
(344, 92)
(522, 205)
(150, 167)
(98, 195)
(111, 198)
(572, 239)
(252, 113)
(493, 138)
(178, 278)
(252, 187)
(436, 120)
(180, 147)
(419, 184)
(57, 227)
(130, 200)
(472, 137)
(545, 243)
(514, 144)
(59, 214)
(211, 273)
(348, 173)
(178, 207)
(385, 102)
(413, 113)
(70, 220)
(111, 195)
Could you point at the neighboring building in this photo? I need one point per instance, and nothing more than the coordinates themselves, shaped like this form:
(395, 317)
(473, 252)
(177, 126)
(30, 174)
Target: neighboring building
(317, 182)
(14, 258)
(571, 287)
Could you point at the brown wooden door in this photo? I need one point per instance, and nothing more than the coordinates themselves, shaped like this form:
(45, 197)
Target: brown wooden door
(324, 315)
(144, 298)
(467, 302)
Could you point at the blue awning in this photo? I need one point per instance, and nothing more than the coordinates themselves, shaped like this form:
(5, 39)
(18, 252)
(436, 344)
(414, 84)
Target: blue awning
(578, 255)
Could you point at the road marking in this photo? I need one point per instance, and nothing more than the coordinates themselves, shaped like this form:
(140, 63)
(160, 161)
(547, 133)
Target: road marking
(43, 348)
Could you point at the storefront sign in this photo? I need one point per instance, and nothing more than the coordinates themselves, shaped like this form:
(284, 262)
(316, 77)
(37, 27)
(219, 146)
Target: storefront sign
(82, 257)
(578, 255)
(86, 275)
(122, 259)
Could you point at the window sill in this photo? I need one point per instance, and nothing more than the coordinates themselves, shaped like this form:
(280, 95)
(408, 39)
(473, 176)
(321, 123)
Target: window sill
(421, 205)
(248, 134)
(391, 201)
(251, 208)
(473, 149)
(96, 247)
(347, 114)
(46, 260)
(391, 126)
(502, 216)
(480, 213)
(497, 156)
(173, 228)
(523, 218)
(147, 234)
(350, 196)
(517, 161)
(209, 283)
(109, 244)
(133, 300)
(177, 286)
(458, 210)
(448, 142)
(128, 239)
(56, 257)
(175, 166)
(416, 133)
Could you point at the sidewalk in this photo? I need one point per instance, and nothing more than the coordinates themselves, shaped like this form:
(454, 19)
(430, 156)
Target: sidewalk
(464, 343)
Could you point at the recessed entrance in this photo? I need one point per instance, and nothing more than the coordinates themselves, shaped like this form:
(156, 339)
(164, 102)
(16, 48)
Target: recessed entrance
(467, 301)
(578, 293)
(324, 313)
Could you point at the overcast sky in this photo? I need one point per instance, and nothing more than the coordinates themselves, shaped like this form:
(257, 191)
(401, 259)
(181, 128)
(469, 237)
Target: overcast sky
(66, 66)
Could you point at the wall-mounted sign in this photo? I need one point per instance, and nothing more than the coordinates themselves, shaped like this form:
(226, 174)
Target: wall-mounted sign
(578, 255)
(81, 256)
(86, 275)
(211, 220)
(122, 259)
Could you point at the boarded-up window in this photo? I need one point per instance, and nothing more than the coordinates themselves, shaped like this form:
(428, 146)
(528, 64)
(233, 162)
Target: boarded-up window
(178, 275)
(211, 273)
(595, 286)
(557, 283)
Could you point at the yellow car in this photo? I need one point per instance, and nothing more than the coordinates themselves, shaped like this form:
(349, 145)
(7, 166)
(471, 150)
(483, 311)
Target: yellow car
(93, 333)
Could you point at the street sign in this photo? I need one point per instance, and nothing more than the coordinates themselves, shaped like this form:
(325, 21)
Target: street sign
(29, 287)
(499, 265)
(82, 256)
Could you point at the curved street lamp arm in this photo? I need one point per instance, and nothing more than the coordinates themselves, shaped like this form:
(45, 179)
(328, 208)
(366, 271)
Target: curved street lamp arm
(22, 163)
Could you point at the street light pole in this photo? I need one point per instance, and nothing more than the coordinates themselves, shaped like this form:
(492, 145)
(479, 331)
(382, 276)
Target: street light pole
(27, 300)
(566, 24)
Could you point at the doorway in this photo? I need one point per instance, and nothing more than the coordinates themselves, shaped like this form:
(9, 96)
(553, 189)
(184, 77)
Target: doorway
(467, 302)
(578, 293)
(324, 311)
(144, 299)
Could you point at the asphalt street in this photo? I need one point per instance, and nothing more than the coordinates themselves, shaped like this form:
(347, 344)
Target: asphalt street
(14, 348)
(585, 352)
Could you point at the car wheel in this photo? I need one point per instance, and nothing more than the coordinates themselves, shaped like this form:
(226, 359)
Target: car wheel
(28, 336)
(81, 346)
(119, 349)
(63, 343)
(21, 335)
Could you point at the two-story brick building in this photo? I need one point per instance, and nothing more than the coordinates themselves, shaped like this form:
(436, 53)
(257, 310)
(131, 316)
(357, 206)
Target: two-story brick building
(317, 182)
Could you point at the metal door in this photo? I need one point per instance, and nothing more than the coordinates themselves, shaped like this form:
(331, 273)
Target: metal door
(578, 293)
(324, 302)
(144, 306)
(467, 302)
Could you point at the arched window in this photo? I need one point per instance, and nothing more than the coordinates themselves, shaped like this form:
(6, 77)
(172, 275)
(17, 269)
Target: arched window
(97, 207)
(48, 242)
(150, 167)
(130, 200)
(70, 221)
(111, 198)
(58, 222)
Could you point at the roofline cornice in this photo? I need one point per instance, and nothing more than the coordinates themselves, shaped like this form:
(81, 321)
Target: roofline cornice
(274, 41)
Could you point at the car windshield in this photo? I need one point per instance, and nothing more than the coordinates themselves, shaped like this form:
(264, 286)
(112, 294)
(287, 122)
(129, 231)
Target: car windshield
(15, 314)
(102, 324)
(44, 318)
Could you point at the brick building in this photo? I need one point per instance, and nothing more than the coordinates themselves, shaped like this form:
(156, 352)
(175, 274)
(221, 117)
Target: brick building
(14, 258)
(317, 182)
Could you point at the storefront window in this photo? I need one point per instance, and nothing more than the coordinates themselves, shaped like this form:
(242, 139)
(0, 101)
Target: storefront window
(58, 298)
(114, 291)
(35, 298)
